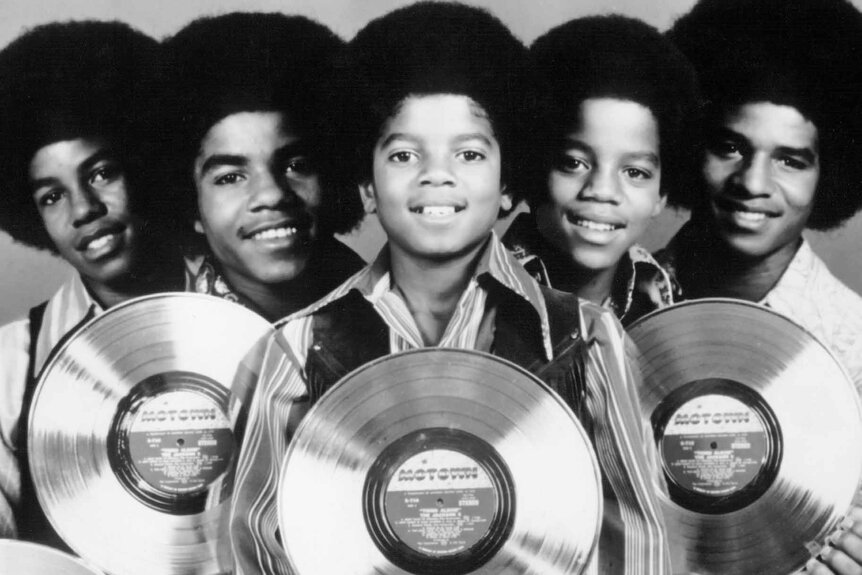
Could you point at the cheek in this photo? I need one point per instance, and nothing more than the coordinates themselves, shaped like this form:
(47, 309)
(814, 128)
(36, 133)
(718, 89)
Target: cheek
(715, 173)
(561, 190)
(800, 193)
(310, 192)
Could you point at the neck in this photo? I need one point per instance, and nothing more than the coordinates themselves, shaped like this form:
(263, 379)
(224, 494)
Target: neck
(712, 269)
(431, 288)
(278, 300)
(595, 285)
(162, 271)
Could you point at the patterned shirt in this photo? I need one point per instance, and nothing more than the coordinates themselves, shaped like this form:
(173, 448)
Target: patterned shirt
(641, 285)
(810, 295)
(278, 407)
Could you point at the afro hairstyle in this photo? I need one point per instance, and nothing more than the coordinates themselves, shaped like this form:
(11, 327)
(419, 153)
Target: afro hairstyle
(70, 80)
(255, 62)
(613, 57)
(442, 48)
(800, 53)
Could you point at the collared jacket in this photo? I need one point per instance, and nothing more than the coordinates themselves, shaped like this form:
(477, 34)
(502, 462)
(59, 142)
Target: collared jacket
(574, 346)
(641, 284)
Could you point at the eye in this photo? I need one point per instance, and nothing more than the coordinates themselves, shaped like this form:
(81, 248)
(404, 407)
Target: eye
(793, 163)
(103, 174)
(570, 164)
(402, 157)
(49, 198)
(725, 149)
(638, 173)
(471, 156)
(229, 179)
(300, 165)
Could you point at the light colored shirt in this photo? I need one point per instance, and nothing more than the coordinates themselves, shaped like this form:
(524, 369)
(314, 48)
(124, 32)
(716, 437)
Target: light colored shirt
(68, 308)
(625, 451)
(809, 294)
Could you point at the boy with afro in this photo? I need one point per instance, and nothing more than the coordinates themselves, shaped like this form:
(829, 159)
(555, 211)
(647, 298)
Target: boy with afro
(782, 150)
(782, 153)
(439, 155)
(73, 158)
(250, 118)
(611, 142)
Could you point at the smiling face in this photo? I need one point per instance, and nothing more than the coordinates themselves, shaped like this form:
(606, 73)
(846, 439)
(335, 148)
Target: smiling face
(761, 171)
(437, 178)
(258, 199)
(603, 188)
(82, 196)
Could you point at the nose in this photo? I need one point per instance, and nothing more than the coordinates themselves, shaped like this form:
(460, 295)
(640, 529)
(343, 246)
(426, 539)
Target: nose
(86, 205)
(436, 171)
(601, 186)
(755, 176)
(270, 192)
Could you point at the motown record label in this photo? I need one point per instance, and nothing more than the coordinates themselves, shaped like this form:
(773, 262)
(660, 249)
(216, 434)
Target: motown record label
(25, 558)
(759, 433)
(440, 462)
(135, 428)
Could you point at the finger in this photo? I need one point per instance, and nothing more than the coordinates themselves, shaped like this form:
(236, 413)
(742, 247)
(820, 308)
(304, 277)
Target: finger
(848, 542)
(815, 567)
(839, 562)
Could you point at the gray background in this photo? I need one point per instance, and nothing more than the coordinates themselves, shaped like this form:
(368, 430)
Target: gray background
(28, 276)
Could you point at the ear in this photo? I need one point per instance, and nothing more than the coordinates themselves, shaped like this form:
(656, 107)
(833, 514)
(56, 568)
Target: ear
(659, 206)
(199, 227)
(369, 197)
(506, 202)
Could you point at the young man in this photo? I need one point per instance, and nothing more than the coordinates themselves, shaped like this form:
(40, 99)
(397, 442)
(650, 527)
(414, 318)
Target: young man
(783, 146)
(71, 160)
(440, 150)
(250, 116)
(617, 101)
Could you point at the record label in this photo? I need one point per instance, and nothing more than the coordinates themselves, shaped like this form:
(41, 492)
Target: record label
(714, 445)
(180, 441)
(440, 502)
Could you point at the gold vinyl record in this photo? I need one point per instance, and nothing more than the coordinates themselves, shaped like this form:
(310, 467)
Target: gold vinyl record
(440, 461)
(135, 429)
(759, 431)
(25, 558)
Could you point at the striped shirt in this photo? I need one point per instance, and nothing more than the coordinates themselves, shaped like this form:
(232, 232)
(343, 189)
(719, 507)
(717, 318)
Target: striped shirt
(626, 453)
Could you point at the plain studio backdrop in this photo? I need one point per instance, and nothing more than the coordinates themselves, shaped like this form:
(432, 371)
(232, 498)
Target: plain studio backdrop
(30, 276)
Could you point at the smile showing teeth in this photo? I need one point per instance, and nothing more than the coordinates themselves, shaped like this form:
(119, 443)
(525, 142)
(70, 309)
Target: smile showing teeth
(750, 216)
(598, 226)
(436, 210)
(99, 243)
(274, 234)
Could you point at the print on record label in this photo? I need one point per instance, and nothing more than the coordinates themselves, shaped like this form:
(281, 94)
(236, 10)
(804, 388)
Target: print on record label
(714, 445)
(180, 441)
(440, 502)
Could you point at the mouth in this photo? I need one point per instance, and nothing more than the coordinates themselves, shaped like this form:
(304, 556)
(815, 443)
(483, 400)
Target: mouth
(437, 211)
(275, 231)
(594, 225)
(101, 240)
(742, 214)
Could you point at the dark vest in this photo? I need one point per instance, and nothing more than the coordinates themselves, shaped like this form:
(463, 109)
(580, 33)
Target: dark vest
(348, 333)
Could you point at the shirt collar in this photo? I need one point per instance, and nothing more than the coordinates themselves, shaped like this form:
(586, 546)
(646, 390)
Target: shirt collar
(495, 263)
(796, 277)
(69, 307)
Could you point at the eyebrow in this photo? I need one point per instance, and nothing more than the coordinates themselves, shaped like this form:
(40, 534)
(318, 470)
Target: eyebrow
(211, 162)
(84, 167)
(415, 140)
(570, 143)
(806, 152)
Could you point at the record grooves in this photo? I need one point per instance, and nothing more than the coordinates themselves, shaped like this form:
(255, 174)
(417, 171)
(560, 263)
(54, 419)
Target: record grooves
(440, 461)
(759, 430)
